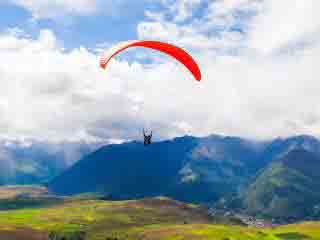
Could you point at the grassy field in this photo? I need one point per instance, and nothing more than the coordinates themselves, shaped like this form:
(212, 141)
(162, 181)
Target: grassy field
(146, 219)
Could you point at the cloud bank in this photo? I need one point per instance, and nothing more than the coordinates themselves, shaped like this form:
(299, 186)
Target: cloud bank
(260, 77)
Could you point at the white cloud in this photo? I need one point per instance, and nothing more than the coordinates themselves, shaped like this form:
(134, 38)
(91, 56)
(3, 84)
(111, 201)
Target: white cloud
(212, 29)
(47, 93)
(182, 9)
(244, 91)
(189, 36)
(222, 7)
(283, 23)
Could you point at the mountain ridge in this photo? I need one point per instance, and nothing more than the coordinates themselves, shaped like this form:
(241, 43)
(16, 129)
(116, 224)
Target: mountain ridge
(200, 170)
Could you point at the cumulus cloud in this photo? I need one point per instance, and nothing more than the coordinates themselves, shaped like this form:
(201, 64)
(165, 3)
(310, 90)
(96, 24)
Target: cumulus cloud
(285, 23)
(219, 26)
(245, 90)
(48, 93)
(181, 9)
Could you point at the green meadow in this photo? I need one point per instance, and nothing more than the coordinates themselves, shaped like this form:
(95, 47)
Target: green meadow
(149, 219)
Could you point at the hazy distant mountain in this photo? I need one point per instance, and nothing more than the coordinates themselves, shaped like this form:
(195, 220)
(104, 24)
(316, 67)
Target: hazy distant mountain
(37, 162)
(281, 146)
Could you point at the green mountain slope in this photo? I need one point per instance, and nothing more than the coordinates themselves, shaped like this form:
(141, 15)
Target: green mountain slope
(287, 188)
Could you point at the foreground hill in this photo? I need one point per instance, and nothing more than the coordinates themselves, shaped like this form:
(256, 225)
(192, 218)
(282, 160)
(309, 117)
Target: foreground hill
(289, 187)
(146, 219)
(189, 169)
(95, 219)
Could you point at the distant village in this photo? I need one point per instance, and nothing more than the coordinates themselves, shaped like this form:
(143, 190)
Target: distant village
(258, 222)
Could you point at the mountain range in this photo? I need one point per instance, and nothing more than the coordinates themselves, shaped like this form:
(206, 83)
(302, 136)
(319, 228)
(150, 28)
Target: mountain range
(276, 178)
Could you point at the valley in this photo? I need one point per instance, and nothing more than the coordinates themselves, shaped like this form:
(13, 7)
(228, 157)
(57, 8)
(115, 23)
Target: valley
(83, 217)
(222, 188)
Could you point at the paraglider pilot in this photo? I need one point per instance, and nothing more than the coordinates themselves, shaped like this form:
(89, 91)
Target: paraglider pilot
(147, 138)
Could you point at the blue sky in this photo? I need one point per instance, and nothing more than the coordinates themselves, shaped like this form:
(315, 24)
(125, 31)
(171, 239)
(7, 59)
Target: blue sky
(12, 16)
(74, 30)
(258, 67)
(118, 24)
(107, 25)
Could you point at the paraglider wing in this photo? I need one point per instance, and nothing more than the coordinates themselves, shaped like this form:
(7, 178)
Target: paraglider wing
(169, 49)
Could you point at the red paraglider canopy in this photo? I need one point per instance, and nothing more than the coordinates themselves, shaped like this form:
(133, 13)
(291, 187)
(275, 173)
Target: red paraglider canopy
(169, 49)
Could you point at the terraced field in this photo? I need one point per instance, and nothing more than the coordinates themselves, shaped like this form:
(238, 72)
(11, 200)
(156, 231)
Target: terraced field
(146, 219)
